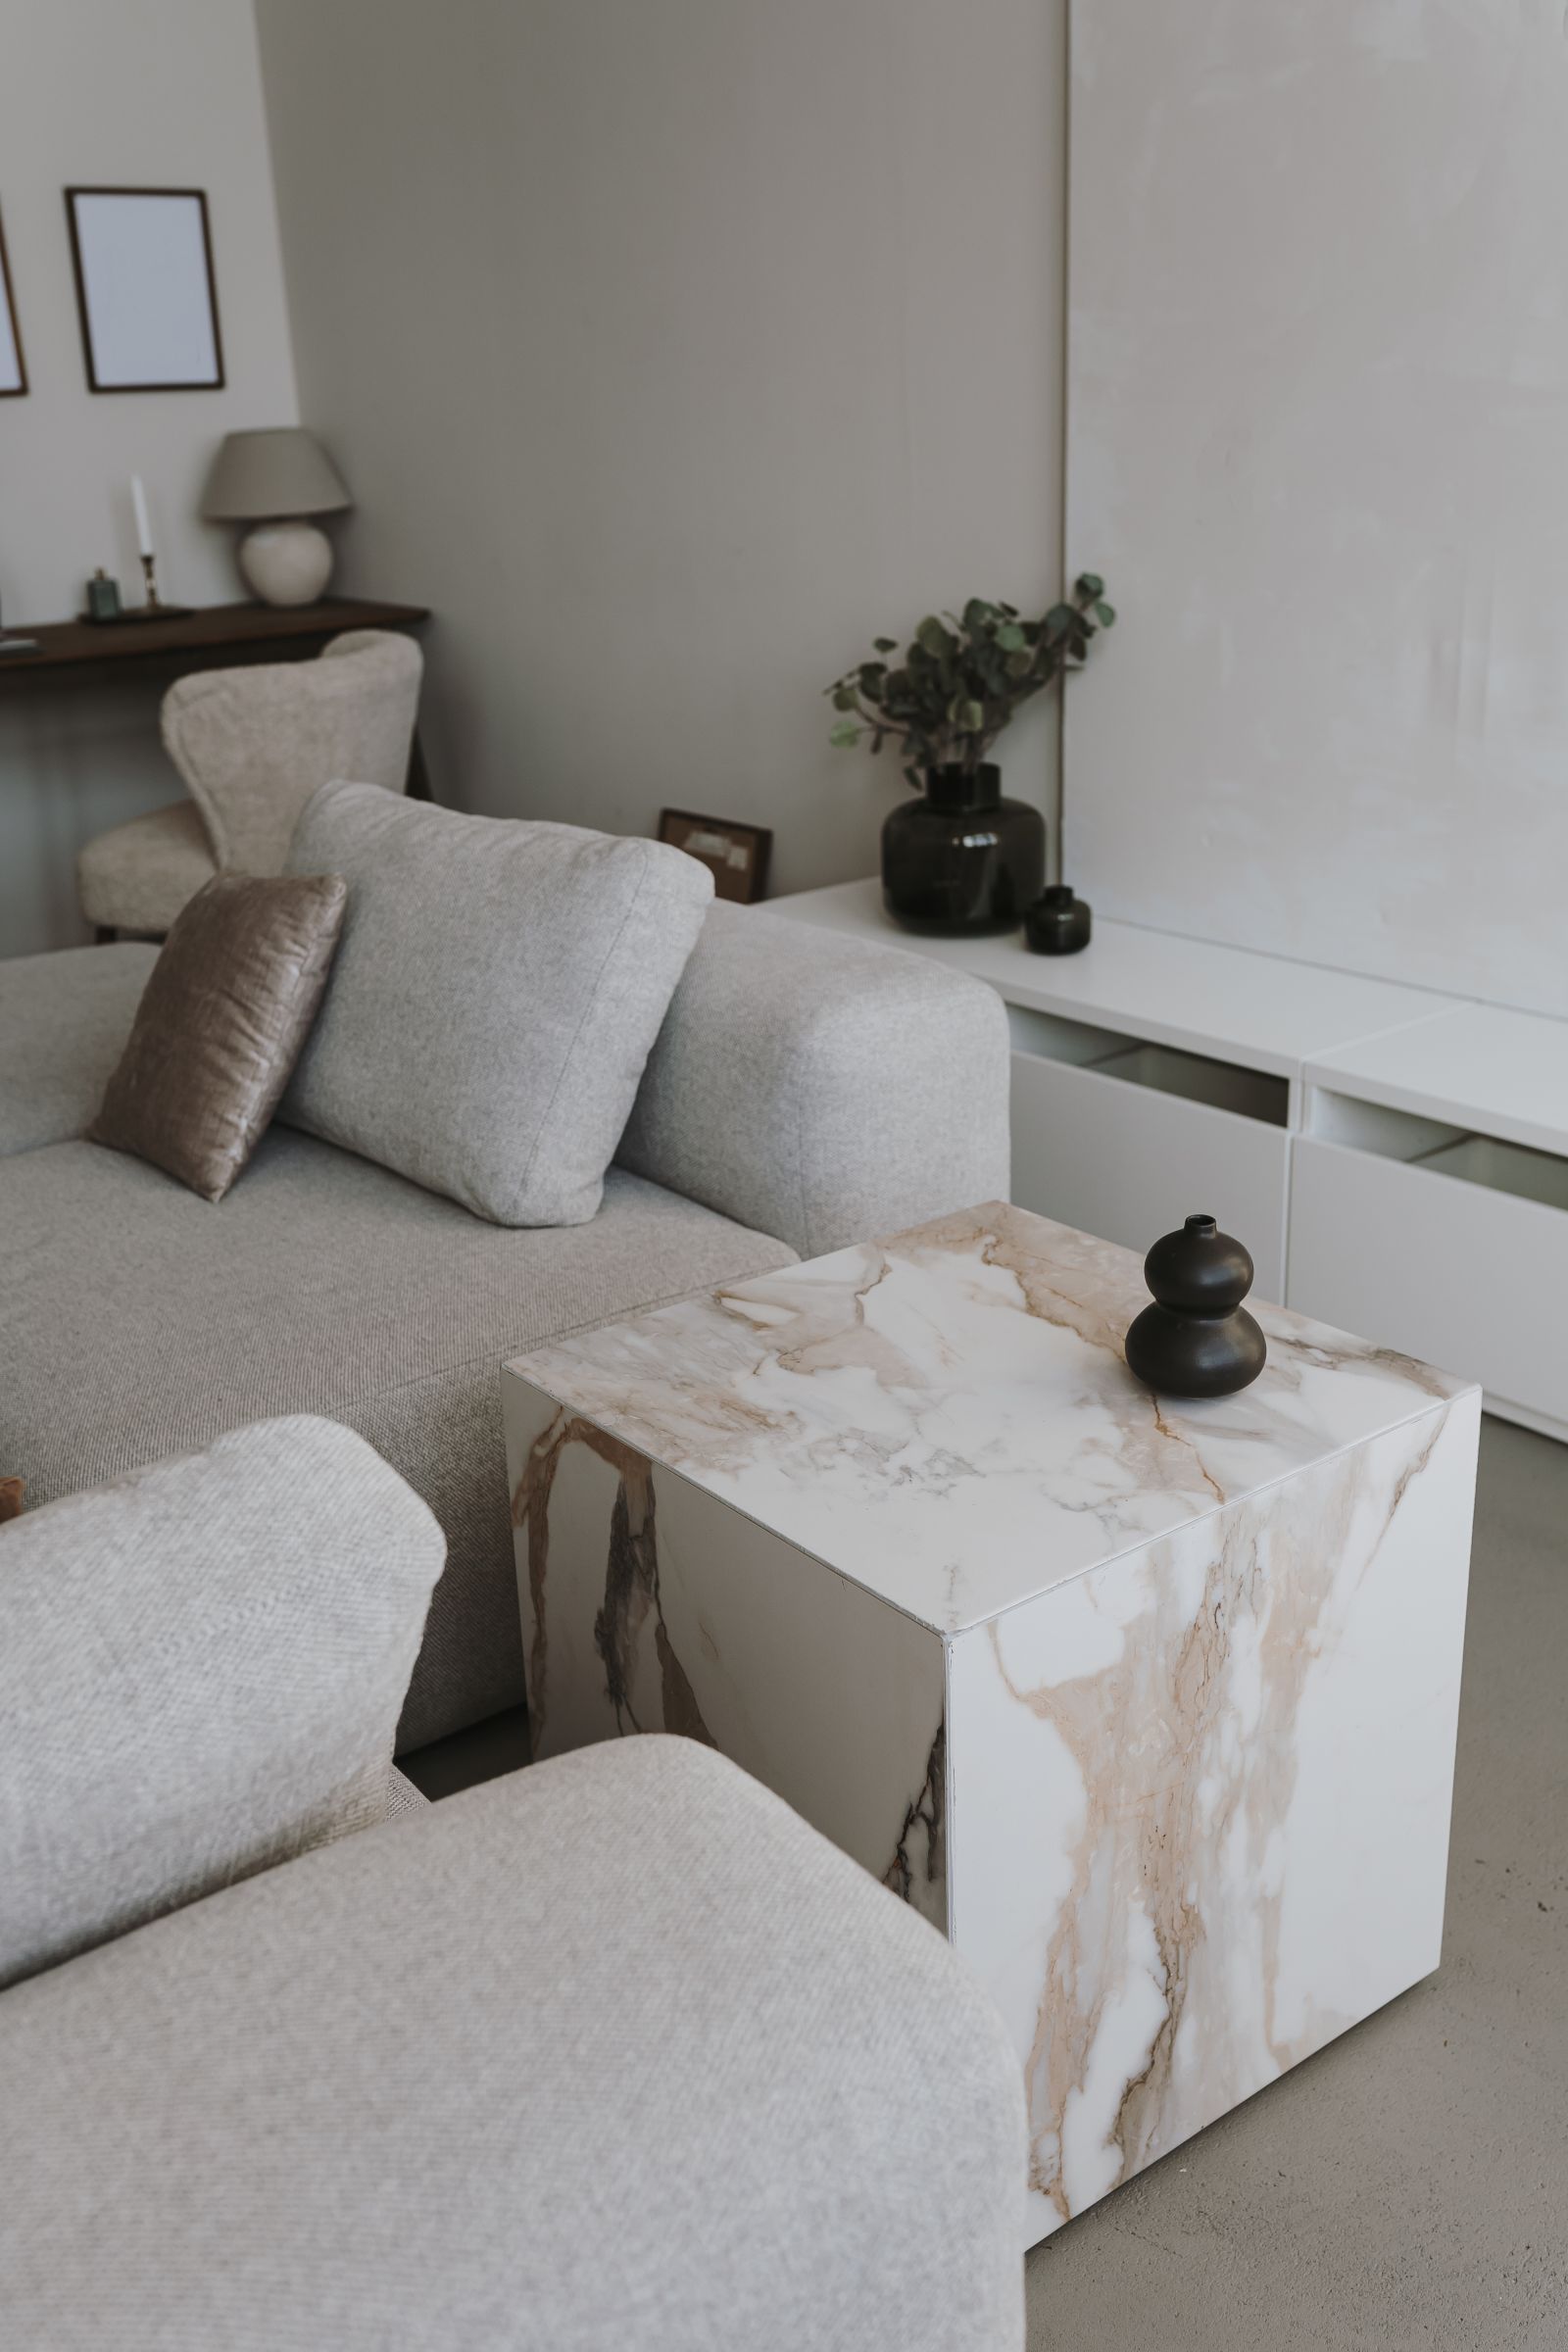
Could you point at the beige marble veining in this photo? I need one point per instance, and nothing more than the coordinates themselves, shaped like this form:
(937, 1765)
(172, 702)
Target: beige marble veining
(946, 1416)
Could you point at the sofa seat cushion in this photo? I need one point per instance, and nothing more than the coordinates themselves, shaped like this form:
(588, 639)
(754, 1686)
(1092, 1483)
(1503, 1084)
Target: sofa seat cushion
(142, 1321)
(64, 1022)
(496, 991)
(614, 2052)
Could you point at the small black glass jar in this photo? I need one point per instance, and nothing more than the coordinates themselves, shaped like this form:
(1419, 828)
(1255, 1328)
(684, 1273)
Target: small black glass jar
(962, 859)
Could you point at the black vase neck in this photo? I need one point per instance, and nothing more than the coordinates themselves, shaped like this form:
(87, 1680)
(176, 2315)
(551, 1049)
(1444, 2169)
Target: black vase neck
(963, 787)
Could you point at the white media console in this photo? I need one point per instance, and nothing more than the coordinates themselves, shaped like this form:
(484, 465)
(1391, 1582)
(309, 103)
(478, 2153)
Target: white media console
(1396, 1160)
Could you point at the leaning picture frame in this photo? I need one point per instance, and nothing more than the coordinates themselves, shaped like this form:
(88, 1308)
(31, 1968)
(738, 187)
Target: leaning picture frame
(146, 289)
(13, 365)
(735, 855)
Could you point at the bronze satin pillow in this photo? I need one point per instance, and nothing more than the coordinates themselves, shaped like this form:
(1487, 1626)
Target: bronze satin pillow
(221, 1023)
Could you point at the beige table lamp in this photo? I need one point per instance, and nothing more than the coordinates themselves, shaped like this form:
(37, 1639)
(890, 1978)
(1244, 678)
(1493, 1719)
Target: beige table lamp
(273, 479)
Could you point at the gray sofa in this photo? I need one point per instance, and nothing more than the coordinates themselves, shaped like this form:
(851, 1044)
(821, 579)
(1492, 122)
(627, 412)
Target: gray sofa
(615, 2051)
(804, 1092)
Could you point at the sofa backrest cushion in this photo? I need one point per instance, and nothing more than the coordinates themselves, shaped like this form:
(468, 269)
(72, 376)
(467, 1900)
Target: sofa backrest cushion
(201, 1668)
(496, 991)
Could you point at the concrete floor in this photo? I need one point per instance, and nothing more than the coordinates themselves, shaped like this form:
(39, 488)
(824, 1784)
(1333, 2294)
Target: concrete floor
(1408, 2186)
(1407, 2189)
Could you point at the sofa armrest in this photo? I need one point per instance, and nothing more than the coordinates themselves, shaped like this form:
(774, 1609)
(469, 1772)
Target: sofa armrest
(826, 1089)
(201, 1669)
(615, 2050)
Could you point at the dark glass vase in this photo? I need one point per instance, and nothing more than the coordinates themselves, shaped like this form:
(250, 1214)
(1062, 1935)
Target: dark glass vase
(962, 859)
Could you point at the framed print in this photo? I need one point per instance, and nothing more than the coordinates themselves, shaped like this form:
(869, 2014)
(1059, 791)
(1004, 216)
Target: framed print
(736, 855)
(13, 367)
(145, 289)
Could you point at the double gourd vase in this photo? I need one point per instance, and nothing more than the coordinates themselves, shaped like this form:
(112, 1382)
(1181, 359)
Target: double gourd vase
(961, 859)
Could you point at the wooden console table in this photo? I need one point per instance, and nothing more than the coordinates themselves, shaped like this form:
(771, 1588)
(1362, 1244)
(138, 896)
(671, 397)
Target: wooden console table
(213, 637)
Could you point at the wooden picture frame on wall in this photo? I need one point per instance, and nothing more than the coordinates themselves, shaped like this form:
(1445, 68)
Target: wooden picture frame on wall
(146, 289)
(13, 363)
(735, 855)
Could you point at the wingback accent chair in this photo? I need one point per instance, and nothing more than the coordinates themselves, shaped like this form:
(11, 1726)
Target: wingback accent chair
(251, 745)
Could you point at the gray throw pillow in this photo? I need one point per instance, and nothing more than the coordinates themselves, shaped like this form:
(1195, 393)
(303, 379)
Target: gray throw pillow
(496, 991)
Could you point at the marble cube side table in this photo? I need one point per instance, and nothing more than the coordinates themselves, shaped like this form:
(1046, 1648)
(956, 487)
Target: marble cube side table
(1150, 1706)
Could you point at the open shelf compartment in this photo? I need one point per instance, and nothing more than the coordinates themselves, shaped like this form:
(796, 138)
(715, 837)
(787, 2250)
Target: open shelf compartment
(1163, 1069)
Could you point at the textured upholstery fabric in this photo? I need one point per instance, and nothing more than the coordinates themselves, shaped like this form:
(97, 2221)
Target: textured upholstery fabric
(200, 1671)
(496, 993)
(823, 1089)
(137, 876)
(401, 1797)
(138, 1322)
(614, 2052)
(253, 744)
(220, 1024)
(64, 1022)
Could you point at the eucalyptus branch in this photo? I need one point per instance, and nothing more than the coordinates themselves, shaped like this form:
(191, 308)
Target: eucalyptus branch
(955, 686)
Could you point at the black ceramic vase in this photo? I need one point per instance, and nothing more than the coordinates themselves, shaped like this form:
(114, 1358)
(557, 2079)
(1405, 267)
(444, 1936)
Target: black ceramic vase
(1058, 923)
(1196, 1339)
(960, 857)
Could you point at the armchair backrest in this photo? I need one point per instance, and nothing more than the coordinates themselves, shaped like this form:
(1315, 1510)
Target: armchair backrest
(253, 744)
(201, 1671)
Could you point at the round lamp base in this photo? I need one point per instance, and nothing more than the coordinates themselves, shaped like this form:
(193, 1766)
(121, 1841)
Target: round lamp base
(286, 563)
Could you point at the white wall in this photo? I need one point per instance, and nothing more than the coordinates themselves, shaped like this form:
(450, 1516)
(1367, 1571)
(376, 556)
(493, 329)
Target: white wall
(135, 93)
(1319, 445)
(673, 349)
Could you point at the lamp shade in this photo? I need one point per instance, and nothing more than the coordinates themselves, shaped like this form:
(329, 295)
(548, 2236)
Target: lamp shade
(280, 470)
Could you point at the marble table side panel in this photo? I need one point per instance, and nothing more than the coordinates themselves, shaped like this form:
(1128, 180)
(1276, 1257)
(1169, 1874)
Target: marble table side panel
(1200, 1803)
(649, 1605)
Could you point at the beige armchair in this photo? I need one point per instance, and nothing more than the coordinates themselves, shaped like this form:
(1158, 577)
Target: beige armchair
(252, 745)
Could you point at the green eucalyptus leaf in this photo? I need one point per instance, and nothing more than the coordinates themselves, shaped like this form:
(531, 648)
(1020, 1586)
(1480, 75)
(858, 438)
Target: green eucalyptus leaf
(1107, 612)
(1012, 638)
(971, 717)
(845, 733)
(1089, 584)
(844, 698)
(932, 637)
(885, 644)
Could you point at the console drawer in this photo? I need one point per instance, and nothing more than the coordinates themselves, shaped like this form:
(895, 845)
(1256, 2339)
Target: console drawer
(1462, 1260)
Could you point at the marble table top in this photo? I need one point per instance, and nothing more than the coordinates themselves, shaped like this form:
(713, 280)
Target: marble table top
(945, 1418)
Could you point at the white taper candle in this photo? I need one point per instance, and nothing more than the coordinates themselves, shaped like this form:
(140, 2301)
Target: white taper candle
(144, 529)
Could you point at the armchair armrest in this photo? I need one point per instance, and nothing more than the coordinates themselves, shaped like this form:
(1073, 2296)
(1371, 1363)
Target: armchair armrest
(826, 1089)
(201, 1668)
